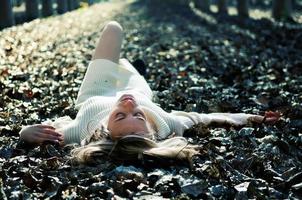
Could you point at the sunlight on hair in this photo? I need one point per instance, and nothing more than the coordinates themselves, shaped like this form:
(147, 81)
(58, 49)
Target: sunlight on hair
(134, 147)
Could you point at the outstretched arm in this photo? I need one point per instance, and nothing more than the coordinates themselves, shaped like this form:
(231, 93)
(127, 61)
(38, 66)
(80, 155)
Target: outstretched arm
(239, 119)
(233, 119)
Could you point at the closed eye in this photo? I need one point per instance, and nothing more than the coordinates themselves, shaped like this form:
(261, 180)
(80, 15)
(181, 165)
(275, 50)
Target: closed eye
(140, 116)
(119, 116)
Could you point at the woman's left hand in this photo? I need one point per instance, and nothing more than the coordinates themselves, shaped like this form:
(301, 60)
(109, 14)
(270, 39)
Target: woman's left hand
(269, 117)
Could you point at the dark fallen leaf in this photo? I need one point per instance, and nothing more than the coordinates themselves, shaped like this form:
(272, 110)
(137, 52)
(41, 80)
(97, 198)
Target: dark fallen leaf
(242, 190)
(30, 181)
(217, 190)
(195, 188)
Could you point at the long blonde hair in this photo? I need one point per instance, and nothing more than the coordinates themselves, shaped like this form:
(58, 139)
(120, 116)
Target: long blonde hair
(98, 147)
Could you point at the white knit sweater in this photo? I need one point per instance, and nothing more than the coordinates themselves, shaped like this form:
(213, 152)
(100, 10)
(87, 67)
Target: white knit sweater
(95, 111)
(103, 84)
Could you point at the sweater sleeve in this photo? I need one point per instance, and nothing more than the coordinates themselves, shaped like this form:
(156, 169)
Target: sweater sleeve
(67, 127)
(89, 116)
(188, 119)
(61, 124)
(72, 132)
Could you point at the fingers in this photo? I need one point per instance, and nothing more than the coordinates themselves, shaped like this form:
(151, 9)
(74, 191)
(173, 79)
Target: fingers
(270, 114)
(269, 118)
(44, 126)
(52, 132)
(42, 138)
(46, 133)
(272, 117)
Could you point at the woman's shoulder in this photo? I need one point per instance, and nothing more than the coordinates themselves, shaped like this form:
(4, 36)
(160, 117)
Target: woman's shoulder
(97, 101)
(95, 105)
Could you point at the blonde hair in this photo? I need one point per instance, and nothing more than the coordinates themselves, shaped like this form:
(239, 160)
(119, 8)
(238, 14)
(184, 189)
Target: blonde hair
(98, 147)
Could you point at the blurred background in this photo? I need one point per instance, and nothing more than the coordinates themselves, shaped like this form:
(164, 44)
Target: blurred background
(14, 12)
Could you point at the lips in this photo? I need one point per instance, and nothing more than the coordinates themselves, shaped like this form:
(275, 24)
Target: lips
(126, 97)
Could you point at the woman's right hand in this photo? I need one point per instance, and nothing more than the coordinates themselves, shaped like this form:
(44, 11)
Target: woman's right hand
(39, 133)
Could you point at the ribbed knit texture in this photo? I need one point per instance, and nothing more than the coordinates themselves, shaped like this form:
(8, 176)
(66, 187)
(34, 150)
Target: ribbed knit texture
(96, 110)
(105, 82)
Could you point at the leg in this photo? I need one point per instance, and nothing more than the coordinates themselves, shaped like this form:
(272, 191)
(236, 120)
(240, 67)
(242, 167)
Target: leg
(110, 42)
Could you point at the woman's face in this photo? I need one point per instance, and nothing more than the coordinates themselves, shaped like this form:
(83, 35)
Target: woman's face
(127, 118)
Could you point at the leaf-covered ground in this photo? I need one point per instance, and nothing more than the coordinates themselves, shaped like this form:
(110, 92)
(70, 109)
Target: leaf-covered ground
(196, 62)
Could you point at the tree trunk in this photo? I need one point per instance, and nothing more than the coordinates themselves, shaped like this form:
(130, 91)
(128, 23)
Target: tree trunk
(62, 6)
(222, 7)
(6, 14)
(76, 4)
(18, 2)
(183, 2)
(47, 8)
(296, 5)
(259, 3)
(90, 2)
(31, 9)
(203, 5)
(175, 2)
(282, 9)
(70, 5)
(243, 8)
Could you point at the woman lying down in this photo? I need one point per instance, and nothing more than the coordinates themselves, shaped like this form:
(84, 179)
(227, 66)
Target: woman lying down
(117, 117)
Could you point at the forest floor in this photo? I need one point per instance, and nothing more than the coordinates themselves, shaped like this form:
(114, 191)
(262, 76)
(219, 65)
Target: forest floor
(195, 62)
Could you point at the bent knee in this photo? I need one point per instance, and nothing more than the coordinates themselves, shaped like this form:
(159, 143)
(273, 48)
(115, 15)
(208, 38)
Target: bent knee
(113, 27)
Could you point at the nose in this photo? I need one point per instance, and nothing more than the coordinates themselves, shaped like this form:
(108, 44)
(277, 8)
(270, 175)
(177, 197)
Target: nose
(128, 104)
